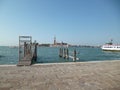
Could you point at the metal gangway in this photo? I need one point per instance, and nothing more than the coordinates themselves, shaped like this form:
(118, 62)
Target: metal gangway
(27, 51)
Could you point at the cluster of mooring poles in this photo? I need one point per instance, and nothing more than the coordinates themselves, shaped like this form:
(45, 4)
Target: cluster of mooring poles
(65, 53)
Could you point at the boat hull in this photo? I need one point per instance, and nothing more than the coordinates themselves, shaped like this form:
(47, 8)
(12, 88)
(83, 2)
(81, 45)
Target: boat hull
(111, 50)
(111, 47)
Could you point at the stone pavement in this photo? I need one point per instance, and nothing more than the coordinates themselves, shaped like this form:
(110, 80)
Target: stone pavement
(65, 76)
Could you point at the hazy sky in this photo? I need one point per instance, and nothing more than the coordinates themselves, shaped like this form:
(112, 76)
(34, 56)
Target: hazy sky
(91, 22)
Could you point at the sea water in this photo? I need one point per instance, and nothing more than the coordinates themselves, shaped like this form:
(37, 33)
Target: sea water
(9, 55)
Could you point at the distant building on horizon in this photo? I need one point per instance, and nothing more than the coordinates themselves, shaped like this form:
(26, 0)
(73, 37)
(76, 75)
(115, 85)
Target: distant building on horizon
(56, 44)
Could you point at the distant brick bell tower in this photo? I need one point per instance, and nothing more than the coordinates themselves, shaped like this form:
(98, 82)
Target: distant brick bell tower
(54, 40)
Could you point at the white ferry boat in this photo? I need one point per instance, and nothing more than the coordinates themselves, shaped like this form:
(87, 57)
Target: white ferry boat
(111, 47)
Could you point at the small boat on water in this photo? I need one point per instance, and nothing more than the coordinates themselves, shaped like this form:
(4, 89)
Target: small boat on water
(13, 46)
(111, 47)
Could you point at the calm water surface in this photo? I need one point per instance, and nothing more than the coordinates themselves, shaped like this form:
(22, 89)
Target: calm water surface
(9, 55)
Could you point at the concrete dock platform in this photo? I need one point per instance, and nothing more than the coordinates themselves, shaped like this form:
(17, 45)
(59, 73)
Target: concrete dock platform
(63, 76)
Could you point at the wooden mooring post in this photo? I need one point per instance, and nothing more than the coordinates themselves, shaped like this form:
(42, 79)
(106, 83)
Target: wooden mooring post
(64, 53)
(74, 55)
(60, 52)
(35, 52)
(67, 53)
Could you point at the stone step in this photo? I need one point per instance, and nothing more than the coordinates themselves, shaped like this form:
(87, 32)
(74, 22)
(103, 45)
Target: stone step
(24, 63)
